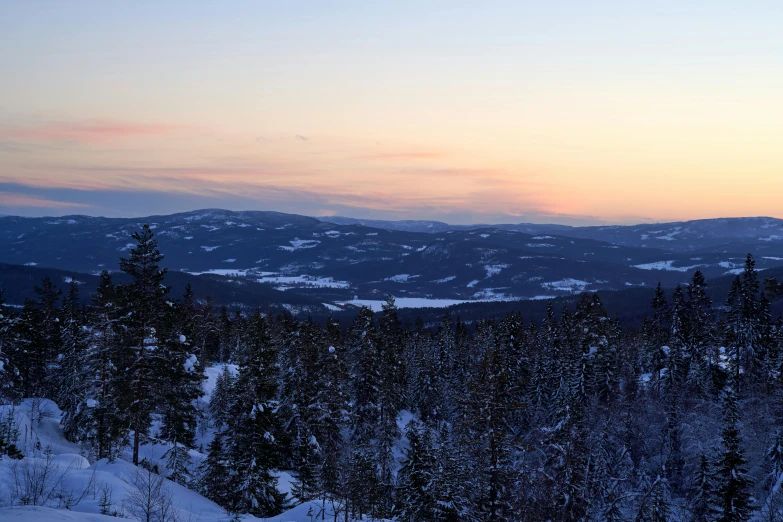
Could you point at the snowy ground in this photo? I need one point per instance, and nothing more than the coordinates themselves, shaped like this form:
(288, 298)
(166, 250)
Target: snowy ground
(75, 488)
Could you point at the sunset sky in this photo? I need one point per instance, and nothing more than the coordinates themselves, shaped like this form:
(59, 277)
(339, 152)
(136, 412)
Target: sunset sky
(549, 111)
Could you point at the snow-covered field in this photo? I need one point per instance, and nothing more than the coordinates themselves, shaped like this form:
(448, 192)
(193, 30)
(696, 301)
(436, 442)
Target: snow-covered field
(666, 265)
(405, 302)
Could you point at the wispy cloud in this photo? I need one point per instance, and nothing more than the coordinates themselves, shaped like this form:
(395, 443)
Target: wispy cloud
(90, 131)
(402, 155)
(16, 200)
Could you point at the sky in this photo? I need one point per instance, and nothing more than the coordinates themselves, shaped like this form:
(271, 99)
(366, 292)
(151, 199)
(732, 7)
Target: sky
(562, 111)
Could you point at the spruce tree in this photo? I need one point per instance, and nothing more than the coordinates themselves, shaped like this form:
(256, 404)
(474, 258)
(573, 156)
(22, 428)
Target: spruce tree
(37, 342)
(701, 336)
(253, 451)
(102, 410)
(9, 384)
(144, 303)
(331, 413)
(220, 400)
(733, 491)
(416, 492)
(703, 497)
(73, 381)
(180, 375)
(215, 473)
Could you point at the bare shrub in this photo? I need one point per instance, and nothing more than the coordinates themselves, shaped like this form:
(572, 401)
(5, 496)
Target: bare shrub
(42, 482)
(150, 499)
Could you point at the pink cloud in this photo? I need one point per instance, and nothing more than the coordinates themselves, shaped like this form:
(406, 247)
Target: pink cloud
(402, 155)
(91, 131)
(11, 199)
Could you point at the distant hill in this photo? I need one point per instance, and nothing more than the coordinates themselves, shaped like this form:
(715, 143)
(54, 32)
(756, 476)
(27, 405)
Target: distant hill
(317, 265)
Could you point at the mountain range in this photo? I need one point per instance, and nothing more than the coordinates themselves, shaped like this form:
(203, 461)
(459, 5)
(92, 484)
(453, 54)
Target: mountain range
(317, 265)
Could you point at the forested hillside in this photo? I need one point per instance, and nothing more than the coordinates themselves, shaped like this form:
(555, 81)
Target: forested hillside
(566, 419)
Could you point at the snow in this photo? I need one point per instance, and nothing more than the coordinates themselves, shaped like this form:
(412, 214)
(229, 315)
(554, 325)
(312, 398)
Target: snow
(773, 258)
(539, 245)
(771, 238)
(209, 248)
(237, 272)
(232, 260)
(473, 283)
(212, 373)
(45, 514)
(670, 235)
(494, 269)
(302, 281)
(332, 307)
(492, 294)
(299, 244)
(444, 280)
(485, 236)
(405, 302)
(31, 263)
(666, 265)
(80, 477)
(401, 278)
(566, 285)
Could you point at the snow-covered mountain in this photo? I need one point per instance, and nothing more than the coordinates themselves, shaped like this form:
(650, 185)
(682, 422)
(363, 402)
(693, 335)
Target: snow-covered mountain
(328, 264)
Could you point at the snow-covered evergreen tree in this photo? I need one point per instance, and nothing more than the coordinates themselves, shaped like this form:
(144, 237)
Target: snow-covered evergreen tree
(733, 488)
(144, 307)
(250, 442)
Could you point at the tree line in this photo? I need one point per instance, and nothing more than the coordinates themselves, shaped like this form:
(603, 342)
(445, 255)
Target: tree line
(572, 418)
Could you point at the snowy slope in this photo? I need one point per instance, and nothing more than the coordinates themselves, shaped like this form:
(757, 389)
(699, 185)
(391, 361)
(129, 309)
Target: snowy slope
(85, 486)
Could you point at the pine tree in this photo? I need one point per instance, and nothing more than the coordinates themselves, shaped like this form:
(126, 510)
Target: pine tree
(702, 504)
(103, 421)
(775, 455)
(253, 450)
(9, 375)
(701, 336)
(214, 473)
(658, 330)
(178, 463)
(655, 502)
(733, 492)
(220, 400)
(225, 345)
(491, 405)
(678, 337)
(331, 412)
(37, 341)
(9, 435)
(299, 344)
(180, 376)
(144, 302)
(73, 381)
(416, 494)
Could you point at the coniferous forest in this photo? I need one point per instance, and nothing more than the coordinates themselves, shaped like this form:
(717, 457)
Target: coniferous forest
(569, 419)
